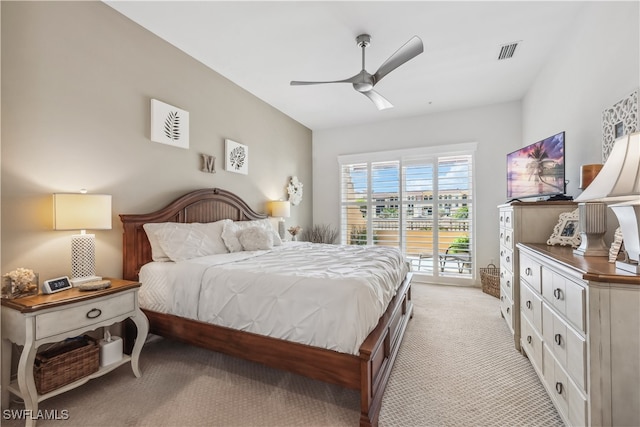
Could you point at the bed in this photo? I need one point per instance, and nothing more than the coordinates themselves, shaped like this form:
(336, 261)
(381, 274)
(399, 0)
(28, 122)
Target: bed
(367, 368)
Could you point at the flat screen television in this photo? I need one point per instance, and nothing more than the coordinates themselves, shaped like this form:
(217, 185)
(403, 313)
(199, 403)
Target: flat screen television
(537, 170)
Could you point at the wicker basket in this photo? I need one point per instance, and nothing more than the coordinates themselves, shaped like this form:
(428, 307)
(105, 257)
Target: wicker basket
(490, 278)
(65, 363)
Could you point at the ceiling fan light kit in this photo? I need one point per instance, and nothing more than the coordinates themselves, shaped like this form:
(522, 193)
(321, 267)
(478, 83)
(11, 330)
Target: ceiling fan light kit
(364, 82)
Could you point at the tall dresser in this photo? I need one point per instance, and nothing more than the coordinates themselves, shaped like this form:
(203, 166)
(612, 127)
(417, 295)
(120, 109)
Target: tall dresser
(531, 222)
(580, 321)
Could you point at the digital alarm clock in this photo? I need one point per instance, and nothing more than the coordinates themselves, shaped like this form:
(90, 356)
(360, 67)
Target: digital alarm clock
(56, 285)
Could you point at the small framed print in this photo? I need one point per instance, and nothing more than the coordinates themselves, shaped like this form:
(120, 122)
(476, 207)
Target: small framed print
(566, 232)
(236, 157)
(169, 124)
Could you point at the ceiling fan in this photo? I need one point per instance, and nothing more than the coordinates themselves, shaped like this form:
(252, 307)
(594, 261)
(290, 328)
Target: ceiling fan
(364, 82)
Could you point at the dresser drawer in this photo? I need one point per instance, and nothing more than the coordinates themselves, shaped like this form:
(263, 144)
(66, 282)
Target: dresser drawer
(532, 343)
(569, 400)
(506, 281)
(531, 271)
(506, 238)
(566, 295)
(506, 218)
(531, 306)
(568, 346)
(83, 315)
(506, 307)
(506, 258)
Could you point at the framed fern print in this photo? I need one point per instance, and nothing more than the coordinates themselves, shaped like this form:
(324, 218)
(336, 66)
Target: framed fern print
(169, 124)
(236, 157)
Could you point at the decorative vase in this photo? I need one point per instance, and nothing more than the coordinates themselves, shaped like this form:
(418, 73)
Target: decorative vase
(12, 290)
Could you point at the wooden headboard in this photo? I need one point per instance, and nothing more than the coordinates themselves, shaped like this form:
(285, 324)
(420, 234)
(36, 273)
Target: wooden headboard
(207, 205)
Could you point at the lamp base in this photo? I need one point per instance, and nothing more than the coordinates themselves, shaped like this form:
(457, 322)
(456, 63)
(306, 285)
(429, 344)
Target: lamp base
(628, 267)
(591, 245)
(79, 280)
(281, 228)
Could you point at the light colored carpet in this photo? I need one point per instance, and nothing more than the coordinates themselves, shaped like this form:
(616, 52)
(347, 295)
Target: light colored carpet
(457, 367)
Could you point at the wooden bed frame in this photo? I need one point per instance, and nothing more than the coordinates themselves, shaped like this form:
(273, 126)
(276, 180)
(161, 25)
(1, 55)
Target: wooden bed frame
(368, 372)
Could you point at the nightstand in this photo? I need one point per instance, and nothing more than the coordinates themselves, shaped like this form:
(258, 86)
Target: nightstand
(41, 319)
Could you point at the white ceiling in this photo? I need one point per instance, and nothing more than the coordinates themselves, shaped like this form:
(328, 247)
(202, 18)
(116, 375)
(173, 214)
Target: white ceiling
(262, 46)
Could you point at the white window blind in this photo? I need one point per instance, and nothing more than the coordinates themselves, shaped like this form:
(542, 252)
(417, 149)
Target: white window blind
(420, 204)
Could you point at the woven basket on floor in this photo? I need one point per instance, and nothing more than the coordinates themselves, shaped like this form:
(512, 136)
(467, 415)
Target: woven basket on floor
(65, 363)
(490, 278)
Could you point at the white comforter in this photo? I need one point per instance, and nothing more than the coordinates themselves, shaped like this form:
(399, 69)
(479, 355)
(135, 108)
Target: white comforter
(329, 296)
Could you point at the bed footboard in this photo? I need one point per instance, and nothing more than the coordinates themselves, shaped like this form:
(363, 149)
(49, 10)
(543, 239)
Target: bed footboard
(379, 351)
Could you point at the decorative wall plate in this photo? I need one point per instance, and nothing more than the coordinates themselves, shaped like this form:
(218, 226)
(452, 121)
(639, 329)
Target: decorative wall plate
(295, 191)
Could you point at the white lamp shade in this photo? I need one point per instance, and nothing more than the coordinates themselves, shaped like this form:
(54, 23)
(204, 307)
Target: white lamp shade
(619, 179)
(280, 209)
(81, 211)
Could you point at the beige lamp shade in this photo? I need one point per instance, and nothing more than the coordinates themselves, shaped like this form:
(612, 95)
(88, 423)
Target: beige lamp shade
(619, 178)
(280, 209)
(77, 211)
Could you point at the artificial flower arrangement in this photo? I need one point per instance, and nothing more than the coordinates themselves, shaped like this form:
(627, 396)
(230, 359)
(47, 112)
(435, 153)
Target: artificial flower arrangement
(294, 231)
(19, 283)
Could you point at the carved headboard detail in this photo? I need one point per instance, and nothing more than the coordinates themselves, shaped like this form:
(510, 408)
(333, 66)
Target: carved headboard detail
(206, 205)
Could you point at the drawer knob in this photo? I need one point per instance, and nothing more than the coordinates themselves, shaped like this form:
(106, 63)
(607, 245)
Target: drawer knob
(501, 298)
(508, 283)
(557, 292)
(558, 339)
(529, 339)
(508, 310)
(94, 313)
(559, 387)
(502, 274)
(528, 304)
(508, 258)
(528, 271)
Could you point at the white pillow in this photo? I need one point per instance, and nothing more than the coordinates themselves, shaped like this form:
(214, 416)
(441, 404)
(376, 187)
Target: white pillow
(171, 241)
(231, 230)
(255, 239)
(157, 253)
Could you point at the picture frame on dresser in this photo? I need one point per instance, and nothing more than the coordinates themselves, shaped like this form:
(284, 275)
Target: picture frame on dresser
(566, 233)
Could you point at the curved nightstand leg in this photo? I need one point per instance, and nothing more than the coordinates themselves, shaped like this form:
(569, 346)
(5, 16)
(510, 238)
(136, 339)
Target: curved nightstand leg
(142, 325)
(26, 383)
(6, 371)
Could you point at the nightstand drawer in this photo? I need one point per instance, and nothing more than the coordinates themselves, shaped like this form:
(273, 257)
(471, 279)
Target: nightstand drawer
(84, 315)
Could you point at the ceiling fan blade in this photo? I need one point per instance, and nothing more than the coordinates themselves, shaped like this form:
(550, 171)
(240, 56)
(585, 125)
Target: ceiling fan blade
(408, 51)
(378, 99)
(349, 80)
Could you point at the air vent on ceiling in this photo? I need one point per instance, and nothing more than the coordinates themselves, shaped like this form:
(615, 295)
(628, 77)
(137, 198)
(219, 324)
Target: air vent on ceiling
(507, 50)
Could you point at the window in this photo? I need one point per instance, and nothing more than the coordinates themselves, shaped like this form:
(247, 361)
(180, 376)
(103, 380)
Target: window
(420, 201)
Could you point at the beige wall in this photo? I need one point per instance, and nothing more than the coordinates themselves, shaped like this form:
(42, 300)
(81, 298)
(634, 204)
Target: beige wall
(77, 79)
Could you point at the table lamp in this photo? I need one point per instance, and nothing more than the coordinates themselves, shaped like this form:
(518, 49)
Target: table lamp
(282, 210)
(618, 184)
(81, 211)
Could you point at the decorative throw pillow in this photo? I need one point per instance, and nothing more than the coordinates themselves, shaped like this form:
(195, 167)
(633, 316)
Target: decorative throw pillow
(255, 239)
(171, 241)
(157, 253)
(231, 231)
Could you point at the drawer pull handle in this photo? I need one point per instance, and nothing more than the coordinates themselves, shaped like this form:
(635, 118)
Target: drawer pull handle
(508, 258)
(508, 310)
(528, 271)
(557, 292)
(528, 305)
(501, 298)
(529, 339)
(507, 239)
(558, 339)
(94, 313)
(508, 283)
(559, 387)
(502, 274)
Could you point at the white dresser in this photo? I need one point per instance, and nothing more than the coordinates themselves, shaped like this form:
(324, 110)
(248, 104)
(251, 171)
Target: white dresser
(580, 327)
(522, 222)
